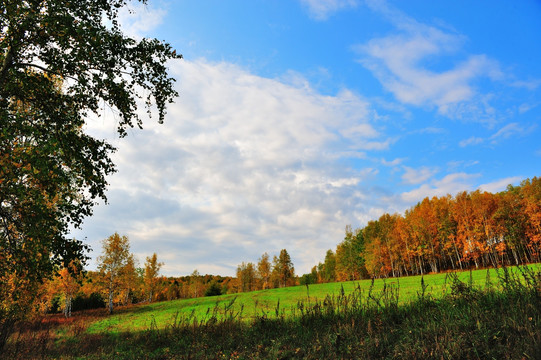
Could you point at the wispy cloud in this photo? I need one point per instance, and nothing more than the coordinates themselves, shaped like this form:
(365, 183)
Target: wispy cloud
(471, 141)
(322, 9)
(527, 84)
(417, 176)
(399, 61)
(393, 162)
(511, 130)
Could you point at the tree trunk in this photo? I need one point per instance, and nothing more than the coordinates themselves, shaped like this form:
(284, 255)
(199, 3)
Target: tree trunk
(110, 301)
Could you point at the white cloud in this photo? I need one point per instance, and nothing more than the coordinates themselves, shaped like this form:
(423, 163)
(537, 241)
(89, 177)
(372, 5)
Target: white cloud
(499, 185)
(399, 62)
(511, 130)
(138, 19)
(471, 141)
(450, 184)
(322, 9)
(417, 176)
(527, 84)
(393, 162)
(508, 131)
(242, 165)
(524, 108)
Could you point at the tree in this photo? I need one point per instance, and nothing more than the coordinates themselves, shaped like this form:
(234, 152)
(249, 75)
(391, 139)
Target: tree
(246, 277)
(69, 280)
(115, 256)
(152, 269)
(531, 196)
(350, 257)
(328, 271)
(264, 271)
(310, 278)
(283, 270)
(60, 61)
(196, 284)
(130, 280)
(214, 289)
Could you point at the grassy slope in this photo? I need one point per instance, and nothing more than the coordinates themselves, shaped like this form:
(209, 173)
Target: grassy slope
(265, 302)
(463, 322)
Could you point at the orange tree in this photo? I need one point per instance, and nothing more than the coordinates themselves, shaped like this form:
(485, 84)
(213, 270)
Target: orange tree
(59, 62)
(152, 270)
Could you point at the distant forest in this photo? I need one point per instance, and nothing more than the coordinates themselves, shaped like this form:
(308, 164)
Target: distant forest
(468, 230)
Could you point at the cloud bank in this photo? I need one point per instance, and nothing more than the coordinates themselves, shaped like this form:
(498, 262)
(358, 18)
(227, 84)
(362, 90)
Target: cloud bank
(243, 165)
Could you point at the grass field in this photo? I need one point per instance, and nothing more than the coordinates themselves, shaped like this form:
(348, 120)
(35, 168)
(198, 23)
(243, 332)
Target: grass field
(485, 314)
(278, 302)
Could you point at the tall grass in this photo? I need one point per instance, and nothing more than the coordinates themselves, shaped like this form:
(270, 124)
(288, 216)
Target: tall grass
(498, 319)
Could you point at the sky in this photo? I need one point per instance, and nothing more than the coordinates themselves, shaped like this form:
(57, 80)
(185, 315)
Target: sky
(297, 118)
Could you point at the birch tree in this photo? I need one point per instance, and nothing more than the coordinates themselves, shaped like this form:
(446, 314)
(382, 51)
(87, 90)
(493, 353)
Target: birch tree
(114, 258)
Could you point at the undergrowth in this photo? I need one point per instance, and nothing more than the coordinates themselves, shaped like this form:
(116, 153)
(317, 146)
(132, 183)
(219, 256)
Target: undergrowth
(498, 320)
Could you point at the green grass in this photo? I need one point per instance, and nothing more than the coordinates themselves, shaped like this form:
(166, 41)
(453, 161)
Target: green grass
(477, 315)
(276, 302)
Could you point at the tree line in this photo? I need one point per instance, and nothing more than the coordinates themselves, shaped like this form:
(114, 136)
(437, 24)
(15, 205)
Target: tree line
(266, 275)
(119, 281)
(470, 229)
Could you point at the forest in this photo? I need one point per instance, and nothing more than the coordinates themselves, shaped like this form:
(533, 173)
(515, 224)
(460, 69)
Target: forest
(469, 230)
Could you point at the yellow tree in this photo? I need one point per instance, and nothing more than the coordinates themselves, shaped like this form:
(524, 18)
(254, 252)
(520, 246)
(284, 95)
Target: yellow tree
(462, 212)
(116, 252)
(264, 271)
(129, 279)
(513, 219)
(152, 269)
(489, 230)
(69, 281)
(246, 276)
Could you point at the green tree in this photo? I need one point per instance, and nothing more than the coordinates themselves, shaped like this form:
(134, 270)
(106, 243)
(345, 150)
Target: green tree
(310, 278)
(246, 277)
(152, 269)
(283, 271)
(350, 257)
(60, 61)
(328, 272)
(214, 289)
(112, 264)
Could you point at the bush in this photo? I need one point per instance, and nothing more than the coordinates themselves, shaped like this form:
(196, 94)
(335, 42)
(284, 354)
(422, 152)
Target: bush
(213, 290)
(93, 301)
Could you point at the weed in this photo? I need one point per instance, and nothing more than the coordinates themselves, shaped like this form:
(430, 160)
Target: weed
(501, 320)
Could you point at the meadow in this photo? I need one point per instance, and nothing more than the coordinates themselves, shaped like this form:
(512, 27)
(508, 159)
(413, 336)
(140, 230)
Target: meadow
(282, 302)
(478, 314)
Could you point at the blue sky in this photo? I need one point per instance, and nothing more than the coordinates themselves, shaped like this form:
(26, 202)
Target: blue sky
(297, 118)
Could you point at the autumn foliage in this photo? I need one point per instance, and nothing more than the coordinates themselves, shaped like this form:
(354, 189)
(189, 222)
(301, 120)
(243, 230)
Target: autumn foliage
(470, 230)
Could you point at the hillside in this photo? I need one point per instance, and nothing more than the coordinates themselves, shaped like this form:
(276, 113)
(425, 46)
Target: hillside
(459, 315)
